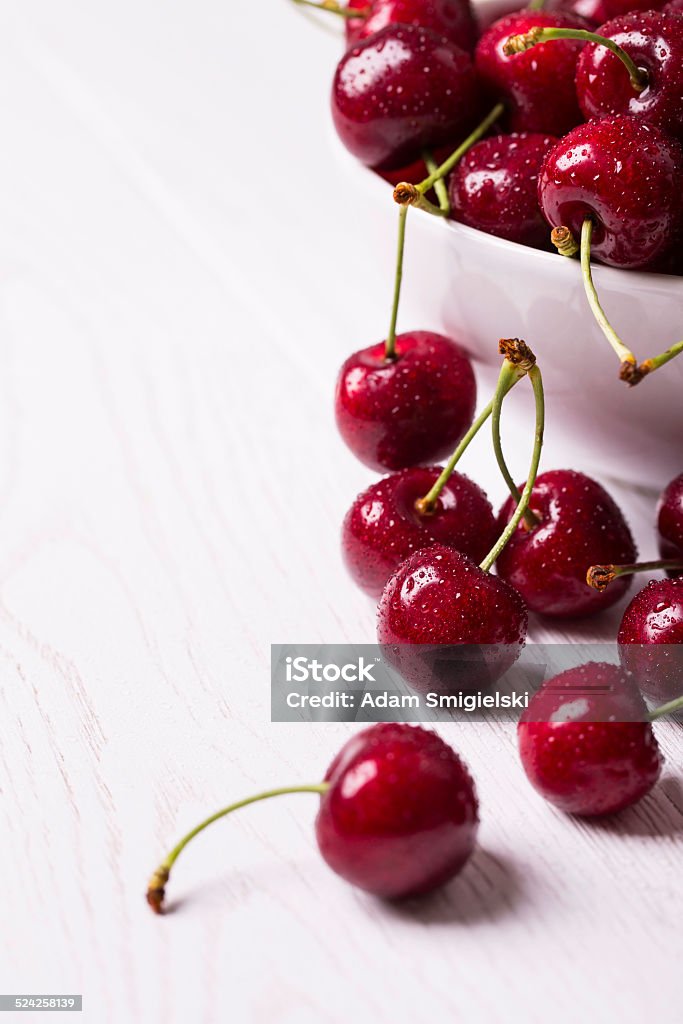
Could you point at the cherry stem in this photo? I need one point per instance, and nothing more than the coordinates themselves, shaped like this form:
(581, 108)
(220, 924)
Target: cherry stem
(390, 345)
(538, 34)
(425, 506)
(447, 166)
(564, 241)
(629, 366)
(531, 520)
(334, 8)
(156, 889)
(656, 361)
(536, 379)
(666, 709)
(600, 576)
(440, 186)
(536, 5)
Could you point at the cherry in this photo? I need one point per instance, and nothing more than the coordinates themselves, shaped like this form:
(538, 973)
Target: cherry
(401, 90)
(450, 18)
(398, 814)
(622, 176)
(537, 87)
(670, 520)
(384, 526)
(494, 187)
(578, 525)
(654, 42)
(400, 817)
(437, 601)
(394, 413)
(596, 12)
(651, 639)
(585, 742)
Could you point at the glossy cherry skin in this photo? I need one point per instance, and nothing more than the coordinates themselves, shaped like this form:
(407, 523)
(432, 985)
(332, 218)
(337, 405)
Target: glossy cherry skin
(655, 42)
(651, 639)
(401, 815)
(597, 12)
(383, 527)
(537, 86)
(450, 18)
(580, 525)
(584, 743)
(401, 90)
(495, 188)
(670, 521)
(446, 625)
(411, 410)
(626, 176)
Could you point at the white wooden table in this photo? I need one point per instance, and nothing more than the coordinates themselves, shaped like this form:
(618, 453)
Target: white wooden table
(181, 273)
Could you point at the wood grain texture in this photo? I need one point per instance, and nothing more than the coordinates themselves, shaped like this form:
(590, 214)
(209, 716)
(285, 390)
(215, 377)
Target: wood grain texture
(181, 272)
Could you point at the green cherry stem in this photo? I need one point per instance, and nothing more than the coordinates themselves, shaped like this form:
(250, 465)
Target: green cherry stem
(666, 709)
(440, 186)
(650, 365)
(538, 34)
(156, 890)
(444, 169)
(518, 360)
(600, 576)
(629, 365)
(531, 520)
(523, 504)
(390, 345)
(536, 5)
(332, 7)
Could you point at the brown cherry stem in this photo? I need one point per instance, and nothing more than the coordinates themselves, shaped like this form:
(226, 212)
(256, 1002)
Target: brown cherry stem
(156, 889)
(600, 576)
(564, 241)
(539, 34)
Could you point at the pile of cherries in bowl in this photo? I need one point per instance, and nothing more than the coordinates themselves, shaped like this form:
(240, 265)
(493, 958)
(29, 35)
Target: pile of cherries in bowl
(578, 134)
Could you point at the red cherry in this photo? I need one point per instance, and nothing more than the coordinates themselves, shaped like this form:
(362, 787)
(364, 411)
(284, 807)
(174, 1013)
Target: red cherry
(623, 174)
(450, 18)
(537, 87)
(596, 12)
(398, 814)
(401, 90)
(651, 639)
(383, 526)
(401, 815)
(655, 43)
(580, 526)
(439, 600)
(670, 520)
(409, 410)
(494, 187)
(585, 744)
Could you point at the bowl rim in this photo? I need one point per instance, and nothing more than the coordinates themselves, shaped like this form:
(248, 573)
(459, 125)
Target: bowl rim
(613, 277)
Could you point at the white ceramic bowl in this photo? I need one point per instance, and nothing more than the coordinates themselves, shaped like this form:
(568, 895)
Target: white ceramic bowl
(477, 289)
